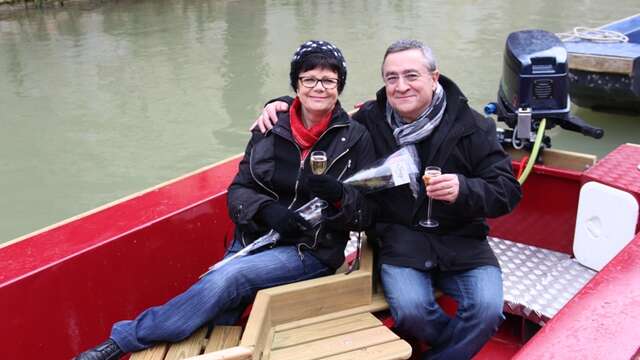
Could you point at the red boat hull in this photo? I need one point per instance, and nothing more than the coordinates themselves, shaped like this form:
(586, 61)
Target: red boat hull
(63, 287)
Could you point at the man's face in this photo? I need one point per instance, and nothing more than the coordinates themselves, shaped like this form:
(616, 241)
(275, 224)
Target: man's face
(408, 82)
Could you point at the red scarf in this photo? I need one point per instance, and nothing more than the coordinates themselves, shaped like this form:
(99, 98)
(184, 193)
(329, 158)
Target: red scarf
(305, 138)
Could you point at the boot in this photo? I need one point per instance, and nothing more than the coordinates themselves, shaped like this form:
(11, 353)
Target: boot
(108, 350)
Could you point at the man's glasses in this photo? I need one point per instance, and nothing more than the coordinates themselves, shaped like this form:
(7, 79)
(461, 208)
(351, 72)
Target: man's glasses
(310, 82)
(393, 79)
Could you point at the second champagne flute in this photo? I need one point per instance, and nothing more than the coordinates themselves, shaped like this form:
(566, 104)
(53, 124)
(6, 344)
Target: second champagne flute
(429, 173)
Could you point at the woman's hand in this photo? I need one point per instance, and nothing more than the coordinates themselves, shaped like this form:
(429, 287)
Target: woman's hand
(325, 187)
(269, 116)
(285, 221)
(445, 187)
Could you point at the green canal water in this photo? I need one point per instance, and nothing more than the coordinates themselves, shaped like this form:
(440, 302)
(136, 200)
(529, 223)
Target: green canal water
(102, 99)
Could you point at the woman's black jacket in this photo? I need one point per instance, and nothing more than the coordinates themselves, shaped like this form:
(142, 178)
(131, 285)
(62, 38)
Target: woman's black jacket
(464, 143)
(271, 170)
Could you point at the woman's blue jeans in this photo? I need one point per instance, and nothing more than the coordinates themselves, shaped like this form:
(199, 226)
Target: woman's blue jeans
(219, 297)
(478, 292)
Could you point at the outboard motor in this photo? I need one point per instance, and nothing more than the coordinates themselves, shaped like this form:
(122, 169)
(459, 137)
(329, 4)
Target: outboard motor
(535, 85)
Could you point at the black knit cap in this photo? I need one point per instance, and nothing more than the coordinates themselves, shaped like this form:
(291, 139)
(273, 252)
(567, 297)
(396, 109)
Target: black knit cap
(318, 52)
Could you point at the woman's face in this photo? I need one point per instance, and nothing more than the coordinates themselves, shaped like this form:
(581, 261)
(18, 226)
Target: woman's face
(318, 99)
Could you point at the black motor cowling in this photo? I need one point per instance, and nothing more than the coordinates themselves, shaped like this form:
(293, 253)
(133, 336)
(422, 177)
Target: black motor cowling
(535, 85)
(535, 74)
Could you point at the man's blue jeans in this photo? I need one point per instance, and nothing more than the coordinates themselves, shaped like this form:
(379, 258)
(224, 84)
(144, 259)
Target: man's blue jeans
(219, 297)
(478, 292)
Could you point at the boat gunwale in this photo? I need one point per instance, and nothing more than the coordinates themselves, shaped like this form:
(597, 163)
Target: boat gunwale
(616, 22)
(40, 242)
(115, 202)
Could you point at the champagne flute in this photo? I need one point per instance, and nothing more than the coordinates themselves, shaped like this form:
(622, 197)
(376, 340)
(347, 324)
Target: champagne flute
(318, 161)
(429, 173)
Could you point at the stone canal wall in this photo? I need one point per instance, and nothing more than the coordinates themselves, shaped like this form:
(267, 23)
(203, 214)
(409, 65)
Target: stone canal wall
(9, 7)
(9, 3)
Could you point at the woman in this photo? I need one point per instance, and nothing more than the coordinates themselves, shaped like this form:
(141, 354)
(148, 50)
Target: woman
(273, 179)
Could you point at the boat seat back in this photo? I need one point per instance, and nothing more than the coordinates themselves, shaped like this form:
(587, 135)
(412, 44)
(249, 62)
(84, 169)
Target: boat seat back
(605, 223)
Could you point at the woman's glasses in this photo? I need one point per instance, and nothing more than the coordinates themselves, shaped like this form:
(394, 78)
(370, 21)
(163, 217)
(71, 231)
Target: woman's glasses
(310, 82)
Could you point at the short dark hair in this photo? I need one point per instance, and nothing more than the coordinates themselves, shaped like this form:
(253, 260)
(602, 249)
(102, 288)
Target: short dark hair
(317, 61)
(318, 54)
(403, 45)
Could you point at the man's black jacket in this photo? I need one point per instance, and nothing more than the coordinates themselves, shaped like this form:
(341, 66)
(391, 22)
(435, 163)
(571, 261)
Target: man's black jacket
(464, 143)
(271, 170)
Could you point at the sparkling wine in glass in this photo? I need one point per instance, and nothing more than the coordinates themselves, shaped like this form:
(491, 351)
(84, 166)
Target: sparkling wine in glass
(318, 162)
(429, 173)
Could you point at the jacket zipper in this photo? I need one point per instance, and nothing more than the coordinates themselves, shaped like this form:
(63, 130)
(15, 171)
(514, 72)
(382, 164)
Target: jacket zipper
(258, 181)
(315, 237)
(277, 197)
(329, 128)
(315, 242)
(301, 168)
(295, 189)
(295, 193)
(244, 243)
(336, 159)
(345, 169)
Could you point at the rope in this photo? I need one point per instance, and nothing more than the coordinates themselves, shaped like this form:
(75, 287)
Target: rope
(595, 35)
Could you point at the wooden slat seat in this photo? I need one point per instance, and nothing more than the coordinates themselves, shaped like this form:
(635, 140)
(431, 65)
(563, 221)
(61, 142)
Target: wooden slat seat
(287, 336)
(387, 351)
(323, 318)
(359, 335)
(221, 337)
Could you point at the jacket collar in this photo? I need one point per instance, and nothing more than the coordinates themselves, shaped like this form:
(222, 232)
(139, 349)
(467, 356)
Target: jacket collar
(455, 97)
(452, 126)
(283, 125)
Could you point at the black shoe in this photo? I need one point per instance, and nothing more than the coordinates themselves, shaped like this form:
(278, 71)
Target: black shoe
(108, 350)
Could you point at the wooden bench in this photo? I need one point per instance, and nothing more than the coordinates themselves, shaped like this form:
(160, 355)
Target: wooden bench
(352, 334)
(286, 321)
(325, 318)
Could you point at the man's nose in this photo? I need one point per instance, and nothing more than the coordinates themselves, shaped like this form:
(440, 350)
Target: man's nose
(402, 85)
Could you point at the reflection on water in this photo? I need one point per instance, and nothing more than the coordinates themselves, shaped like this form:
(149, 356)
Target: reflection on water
(103, 99)
(244, 40)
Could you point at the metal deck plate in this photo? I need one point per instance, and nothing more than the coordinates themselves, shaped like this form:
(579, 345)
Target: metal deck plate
(537, 282)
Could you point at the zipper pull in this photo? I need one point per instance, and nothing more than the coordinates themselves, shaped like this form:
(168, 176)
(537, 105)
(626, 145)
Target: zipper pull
(345, 170)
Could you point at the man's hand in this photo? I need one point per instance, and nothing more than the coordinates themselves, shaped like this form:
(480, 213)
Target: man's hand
(269, 116)
(445, 187)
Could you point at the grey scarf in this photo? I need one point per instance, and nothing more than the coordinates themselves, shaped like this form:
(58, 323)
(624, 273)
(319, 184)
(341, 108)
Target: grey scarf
(411, 133)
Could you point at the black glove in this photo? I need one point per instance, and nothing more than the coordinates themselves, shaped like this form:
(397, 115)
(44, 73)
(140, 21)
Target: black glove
(286, 222)
(325, 187)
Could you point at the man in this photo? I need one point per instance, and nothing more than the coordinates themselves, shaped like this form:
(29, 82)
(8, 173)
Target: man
(421, 109)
